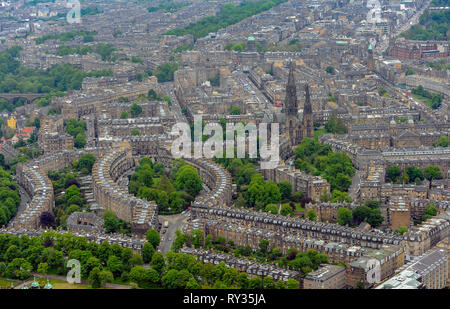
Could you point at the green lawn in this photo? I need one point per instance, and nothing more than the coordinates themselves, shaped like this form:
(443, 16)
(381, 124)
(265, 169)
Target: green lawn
(6, 283)
(422, 99)
(298, 207)
(63, 285)
(318, 133)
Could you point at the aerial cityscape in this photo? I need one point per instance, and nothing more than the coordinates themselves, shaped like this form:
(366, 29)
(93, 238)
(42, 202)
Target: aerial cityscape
(224, 144)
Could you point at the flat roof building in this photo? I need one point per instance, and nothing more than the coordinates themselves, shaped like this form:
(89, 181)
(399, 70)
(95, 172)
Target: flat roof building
(326, 277)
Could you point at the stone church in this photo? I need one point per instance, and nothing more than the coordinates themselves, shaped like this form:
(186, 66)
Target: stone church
(292, 127)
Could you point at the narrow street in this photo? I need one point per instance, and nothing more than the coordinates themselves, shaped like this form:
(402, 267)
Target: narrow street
(381, 47)
(353, 191)
(176, 222)
(25, 199)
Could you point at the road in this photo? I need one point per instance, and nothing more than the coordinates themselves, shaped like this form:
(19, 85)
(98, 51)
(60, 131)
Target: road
(381, 47)
(353, 190)
(25, 199)
(251, 88)
(176, 222)
(175, 108)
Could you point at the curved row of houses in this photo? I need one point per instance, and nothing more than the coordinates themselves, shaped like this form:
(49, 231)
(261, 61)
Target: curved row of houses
(109, 195)
(32, 176)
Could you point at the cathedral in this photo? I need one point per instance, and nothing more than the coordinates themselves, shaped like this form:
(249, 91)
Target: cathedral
(294, 129)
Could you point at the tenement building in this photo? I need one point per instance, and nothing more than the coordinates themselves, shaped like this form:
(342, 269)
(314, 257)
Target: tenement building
(312, 186)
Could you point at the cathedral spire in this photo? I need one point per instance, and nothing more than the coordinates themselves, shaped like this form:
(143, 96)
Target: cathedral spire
(291, 79)
(307, 109)
(308, 119)
(290, 103)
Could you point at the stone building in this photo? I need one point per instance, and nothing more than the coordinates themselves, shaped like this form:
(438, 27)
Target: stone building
(425, 236)
(109, 196)
(312, 186)
(374, 266)
(429, 271)
(243, 265)
(326, 277)
(52, 137)
(84, 221)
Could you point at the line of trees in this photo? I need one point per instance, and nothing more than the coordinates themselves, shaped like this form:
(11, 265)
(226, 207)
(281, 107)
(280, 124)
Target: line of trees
(65, 36)
(413, 174)
(228, 15)
(9, 197)
(14, 77)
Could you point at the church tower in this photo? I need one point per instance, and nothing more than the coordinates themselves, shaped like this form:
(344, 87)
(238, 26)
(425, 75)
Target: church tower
(308, 120)
(290, 108)
(370, 60)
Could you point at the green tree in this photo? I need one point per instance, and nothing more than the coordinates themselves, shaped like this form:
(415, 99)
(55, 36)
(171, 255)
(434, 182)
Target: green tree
(329, 69)
(86, 161)
(197, 238)
(111, 224)
(243, 280)
(401, 230)
(286, 210)
(114, 265)
(311, 215)
(188, 180)
(272, 208)
(430, 211)
(255, 283)
(432, 172)
(292, 284)
(106, 276)
(344, 216)
(335, 125)
(340, 197)
(268, 283)
(264, 245)
(135, 110)
(80, 140)
(393, 173)
(153, 237)
(361, 213)
(42, 268)
(414, 173)
(442, 141)
(94, 278)
(285, 188)
(234, 110)
(280, 285)
(375, 218)
(135, 132)
(165, 72)
(158, 263)
(147, 252)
